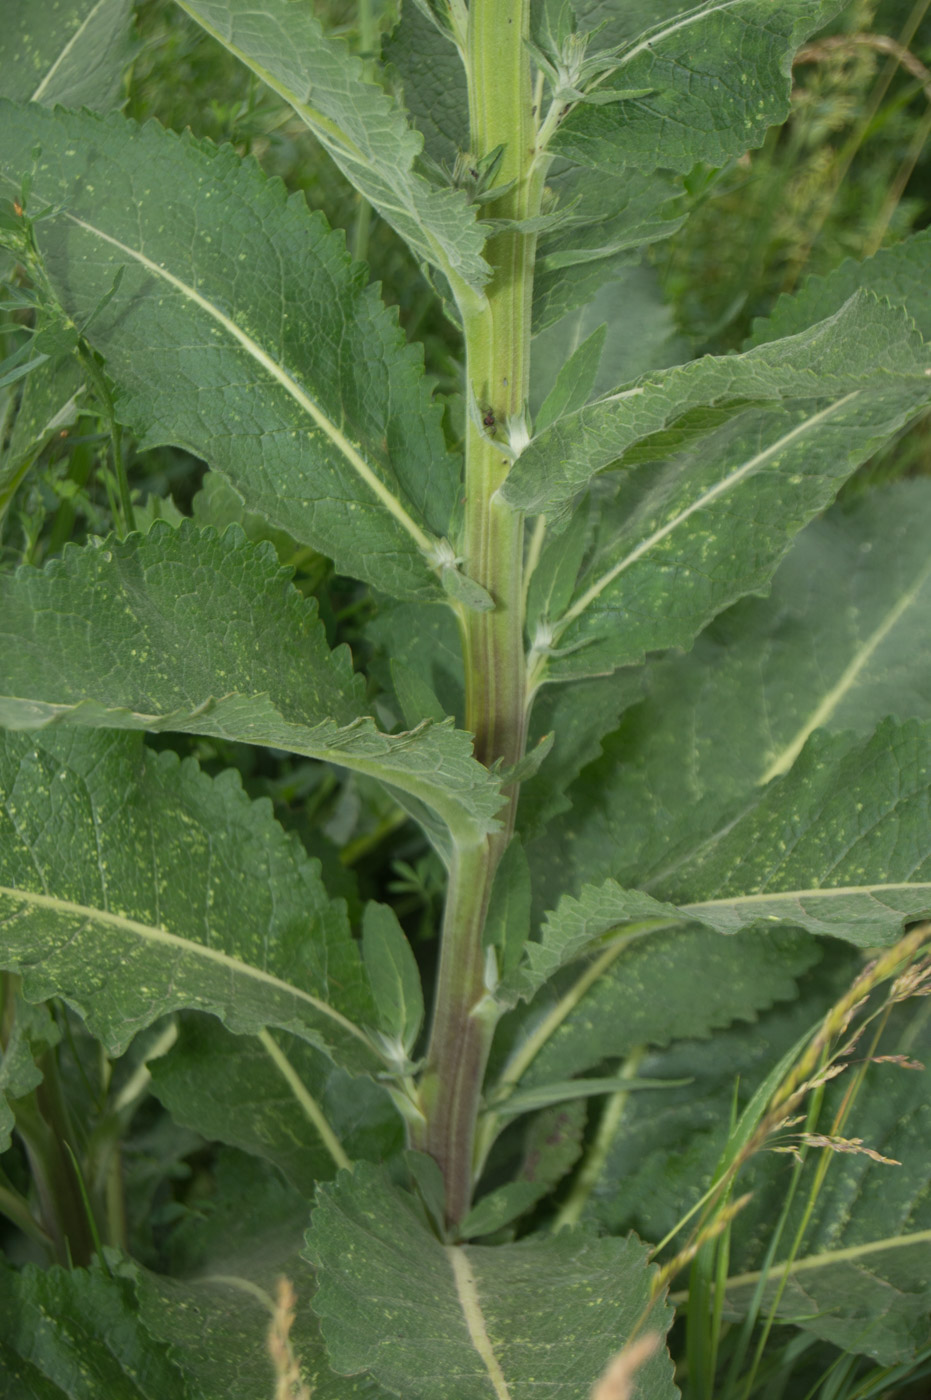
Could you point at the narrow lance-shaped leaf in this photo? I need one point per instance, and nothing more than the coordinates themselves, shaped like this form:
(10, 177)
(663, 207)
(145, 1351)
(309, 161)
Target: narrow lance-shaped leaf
(132, 885)
(240, 330)
(361, 126)
(449, 1322)
(394, 977)
(73, 53)
(718, 76)
(183, 630)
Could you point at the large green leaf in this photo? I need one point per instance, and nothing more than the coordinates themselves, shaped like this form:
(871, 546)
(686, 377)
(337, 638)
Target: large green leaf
(356, 121)
(718, 76)
(839, 846)
(132, 885)
(70, 1334)
(240, 329)
(649, 986)
(681, 540)
(433, 83)
(666, 1143)
(73, 53)
(899, 274)
(864, 348)
(273, 1098)
(129, 1334)
(185, 630)
(840, 643)
(215, 1319)
(606, 223)
(446, 1322)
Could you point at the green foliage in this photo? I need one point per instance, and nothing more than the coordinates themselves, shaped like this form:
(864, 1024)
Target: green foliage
(464, 775)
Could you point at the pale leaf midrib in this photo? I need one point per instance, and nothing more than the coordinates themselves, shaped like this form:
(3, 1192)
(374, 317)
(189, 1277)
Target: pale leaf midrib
(821, 715)
(720, 488)
(852, 1254)
(828, 892)
(37, 94)
(328, 131)
(159, 936)
(474, 1318)
(272, 368)
(466, 827)
(657, 36)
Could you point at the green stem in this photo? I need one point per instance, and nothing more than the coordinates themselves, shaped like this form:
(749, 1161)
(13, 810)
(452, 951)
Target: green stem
(464, 1020)
(497, 345)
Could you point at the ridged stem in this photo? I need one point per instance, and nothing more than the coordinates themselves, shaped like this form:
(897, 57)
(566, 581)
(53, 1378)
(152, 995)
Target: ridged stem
(497, 343)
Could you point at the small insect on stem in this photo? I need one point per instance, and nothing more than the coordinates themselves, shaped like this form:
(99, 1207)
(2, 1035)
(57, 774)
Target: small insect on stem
(488, 419)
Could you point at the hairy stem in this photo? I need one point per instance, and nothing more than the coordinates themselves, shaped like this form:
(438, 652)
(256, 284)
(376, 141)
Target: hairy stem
(497, 343)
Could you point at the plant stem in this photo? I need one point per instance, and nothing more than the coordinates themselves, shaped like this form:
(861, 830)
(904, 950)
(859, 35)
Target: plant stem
(497, 345)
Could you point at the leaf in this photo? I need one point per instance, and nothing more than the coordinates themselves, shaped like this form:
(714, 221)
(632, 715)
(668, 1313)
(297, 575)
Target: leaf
(574, 382)
(74, 53)
(424, 639)
(393, 976)
(216, 1327)
(416, 698)
(719, 76)
(49, 405)
(840, 643)
(492, 1212)
(31, 1034)
(132, 885)
(609, 223)
(453, 1322)
(579, 715)
(645, 986)
(680, 542)
(899, 274)
(75, 1335)
(133, 1335)
(170, 631)
(355, 120)
(860, 1280)
(552, 1146)
(595, 220)
(229, 1089)
(217, 504)
(641, 334)
(839, 846)
(666, 1145)
(221, 336)
(840, 355)
(507, 924)
(433, 83)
